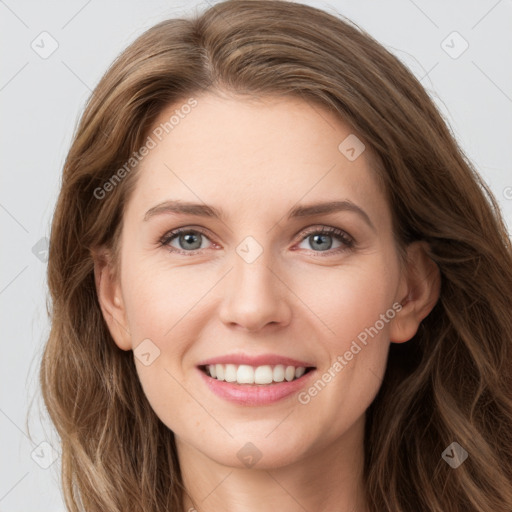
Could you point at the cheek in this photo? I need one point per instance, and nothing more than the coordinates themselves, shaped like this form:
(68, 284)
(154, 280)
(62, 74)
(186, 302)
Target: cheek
(348, 299)
(158, 298)
(355, 303)
(159, 308)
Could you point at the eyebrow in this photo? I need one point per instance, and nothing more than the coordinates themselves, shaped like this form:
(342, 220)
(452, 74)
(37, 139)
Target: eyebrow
(204, 210)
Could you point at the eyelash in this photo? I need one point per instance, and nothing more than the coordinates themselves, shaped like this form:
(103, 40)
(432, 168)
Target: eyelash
(342, 236)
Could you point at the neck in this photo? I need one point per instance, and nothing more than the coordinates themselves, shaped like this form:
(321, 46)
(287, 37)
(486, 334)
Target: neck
(329, 478)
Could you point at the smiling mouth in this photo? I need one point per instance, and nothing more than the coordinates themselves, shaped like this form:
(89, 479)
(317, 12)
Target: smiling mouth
(255, 375)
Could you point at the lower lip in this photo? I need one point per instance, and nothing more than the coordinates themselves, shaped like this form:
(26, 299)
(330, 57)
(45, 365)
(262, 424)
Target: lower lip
(255, 394)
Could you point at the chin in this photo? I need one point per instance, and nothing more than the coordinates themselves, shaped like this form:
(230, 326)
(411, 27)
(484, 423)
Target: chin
(256, 453)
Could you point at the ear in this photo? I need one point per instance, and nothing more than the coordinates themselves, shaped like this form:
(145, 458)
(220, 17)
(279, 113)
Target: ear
(110, 298)
(419, 291)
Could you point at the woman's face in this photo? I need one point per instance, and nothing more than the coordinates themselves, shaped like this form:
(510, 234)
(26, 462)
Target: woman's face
(251, 282)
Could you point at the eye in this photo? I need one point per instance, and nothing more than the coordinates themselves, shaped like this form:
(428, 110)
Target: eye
(321, 240)
(188, 240)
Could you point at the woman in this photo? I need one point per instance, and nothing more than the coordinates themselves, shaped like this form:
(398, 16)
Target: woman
(338, 335)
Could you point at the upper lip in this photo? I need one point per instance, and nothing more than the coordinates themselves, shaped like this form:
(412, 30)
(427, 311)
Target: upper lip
(260, 360)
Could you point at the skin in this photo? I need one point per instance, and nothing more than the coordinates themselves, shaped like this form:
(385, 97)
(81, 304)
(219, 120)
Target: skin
(255, 160)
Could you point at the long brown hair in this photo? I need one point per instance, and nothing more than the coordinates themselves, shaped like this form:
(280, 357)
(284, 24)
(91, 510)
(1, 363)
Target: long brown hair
(451, 383)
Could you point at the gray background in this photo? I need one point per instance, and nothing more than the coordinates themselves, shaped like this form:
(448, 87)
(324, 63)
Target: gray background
(41, 99)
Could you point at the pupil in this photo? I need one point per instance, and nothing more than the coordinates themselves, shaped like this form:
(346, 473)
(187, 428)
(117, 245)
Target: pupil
(322, 238)
(189, 238)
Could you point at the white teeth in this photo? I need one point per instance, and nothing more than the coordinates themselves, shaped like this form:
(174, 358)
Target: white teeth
(219, 370)
(289, 373)
(245, 374)
(263, 375)
(230, 373)
(279, 373)
(299, 372)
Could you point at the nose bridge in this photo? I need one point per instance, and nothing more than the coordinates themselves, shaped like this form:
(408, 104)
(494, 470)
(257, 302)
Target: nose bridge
(252, 272)
(254, 294)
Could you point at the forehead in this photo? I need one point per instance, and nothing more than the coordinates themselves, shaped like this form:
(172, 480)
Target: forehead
(254, 154)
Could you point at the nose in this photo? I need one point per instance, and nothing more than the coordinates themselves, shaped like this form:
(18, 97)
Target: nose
(255, 296)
